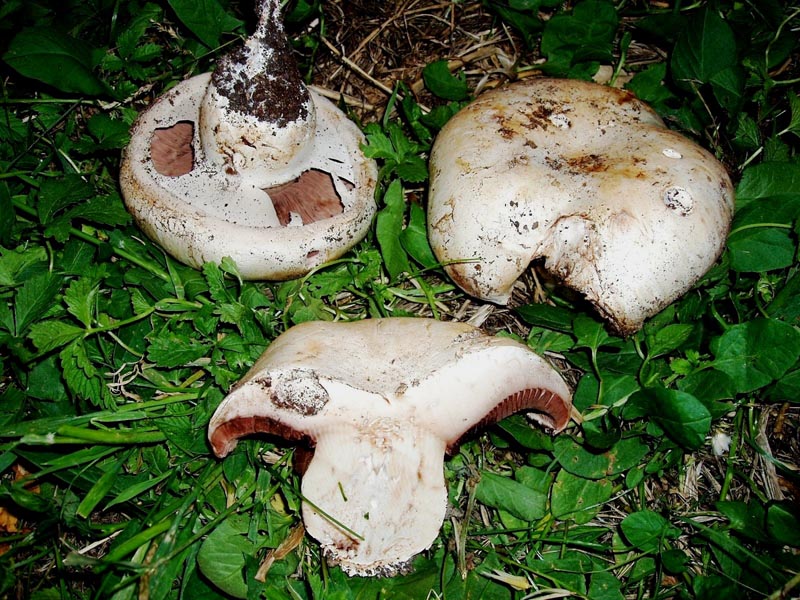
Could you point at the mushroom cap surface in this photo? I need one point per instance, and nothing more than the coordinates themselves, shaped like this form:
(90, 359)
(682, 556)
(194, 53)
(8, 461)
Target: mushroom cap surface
(383, 400)
(622, 209)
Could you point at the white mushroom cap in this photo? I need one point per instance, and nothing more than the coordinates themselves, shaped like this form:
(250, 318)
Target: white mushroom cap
(383, 400)
(623, 210)
(251, 165)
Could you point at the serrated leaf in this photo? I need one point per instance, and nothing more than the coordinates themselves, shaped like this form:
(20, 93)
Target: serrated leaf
(54, 58)
(49, 335)
(756, 353)
(768, 180)
(171, 350)
(81, 298)
(378, 144)
(441, 82)
(206, 19)
(412, 169)
(33, 299)
(216, 282)
(581, 37)
(57, 194)
(388, 227)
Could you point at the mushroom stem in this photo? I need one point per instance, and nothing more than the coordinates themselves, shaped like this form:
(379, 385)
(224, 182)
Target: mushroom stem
(257, 109)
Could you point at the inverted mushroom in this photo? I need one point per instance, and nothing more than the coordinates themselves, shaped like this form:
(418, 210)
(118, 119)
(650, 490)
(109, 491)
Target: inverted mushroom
(247, 162)
(382, 400)
(623, 210)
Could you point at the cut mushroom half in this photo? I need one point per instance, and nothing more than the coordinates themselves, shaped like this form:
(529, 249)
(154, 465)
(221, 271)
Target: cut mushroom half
(247, 162)
(382, 401)
(588, 178)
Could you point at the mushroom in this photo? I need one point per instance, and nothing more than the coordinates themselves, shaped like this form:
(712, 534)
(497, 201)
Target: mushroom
(382, 400)
(623, 210)
(249, 163)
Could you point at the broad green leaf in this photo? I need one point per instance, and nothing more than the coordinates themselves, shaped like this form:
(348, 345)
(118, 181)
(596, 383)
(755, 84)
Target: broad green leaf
(582, 462)
(647, 530)
(682, 416)
(605, 586)
(590, 333)
(761, 249)
(222, 556)
(442, 83)
(704, 49)
(509, 495)
(578, 499)
(783, 523)
(666, 339)
(49, 335)
(768, 180)
(412, 169)
(728, 87)
(546, 315)
(388, 227)
(206, 19)
(745, 518)
(56, 59)
(415, 238)
(756, 353)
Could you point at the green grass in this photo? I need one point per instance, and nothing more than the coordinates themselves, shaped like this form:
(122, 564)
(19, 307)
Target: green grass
(114, 356)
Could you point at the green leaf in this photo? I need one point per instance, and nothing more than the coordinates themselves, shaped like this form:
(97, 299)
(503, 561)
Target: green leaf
(761, 249)
(646, 530)
(605, 586)
(705, 48)
(546, 315)
(590, 333)
(783, 523)
(171, 350)
(388, 227)
(583, 462)
(414, 238)
(768, 180)
(56, 59)
(583, 36)
(48, 335)
(81, 298)
(578, 499)
(222, 556)
(34, 299)
(511, 496)
(442, 83)
(58, 193)
(682, 416)
(756, 353)
(668, 338)
(206, 19)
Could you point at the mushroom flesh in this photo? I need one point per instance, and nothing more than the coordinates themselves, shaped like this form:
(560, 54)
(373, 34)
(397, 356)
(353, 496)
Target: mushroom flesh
(382, 400)
(247, 162)
(622, 209)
